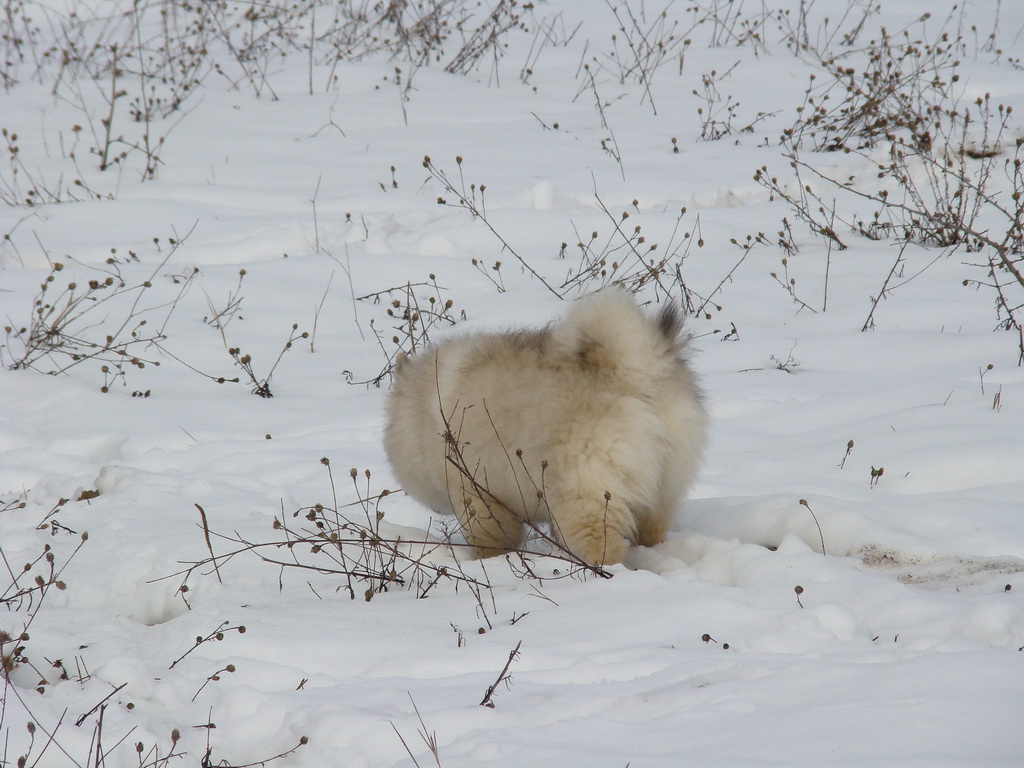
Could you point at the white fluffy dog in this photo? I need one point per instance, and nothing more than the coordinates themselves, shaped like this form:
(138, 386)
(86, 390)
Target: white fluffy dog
(594, 424)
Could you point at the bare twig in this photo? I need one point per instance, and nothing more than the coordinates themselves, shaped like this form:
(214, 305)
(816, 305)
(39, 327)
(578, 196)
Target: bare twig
(468, 201)
(503, 677)
(803, 503)
(209, 546)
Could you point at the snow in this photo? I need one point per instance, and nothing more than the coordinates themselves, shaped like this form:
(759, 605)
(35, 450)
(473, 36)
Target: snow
(901, 647)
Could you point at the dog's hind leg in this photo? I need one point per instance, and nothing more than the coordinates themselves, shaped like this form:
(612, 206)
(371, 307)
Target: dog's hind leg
(489, 527)
(651, 527)
(594, 528)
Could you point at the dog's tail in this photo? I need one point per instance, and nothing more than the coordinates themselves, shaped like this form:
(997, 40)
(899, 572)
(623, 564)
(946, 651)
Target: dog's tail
(607, 332)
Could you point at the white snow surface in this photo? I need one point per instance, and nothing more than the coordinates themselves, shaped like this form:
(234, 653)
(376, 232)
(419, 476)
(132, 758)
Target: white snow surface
(904, 646)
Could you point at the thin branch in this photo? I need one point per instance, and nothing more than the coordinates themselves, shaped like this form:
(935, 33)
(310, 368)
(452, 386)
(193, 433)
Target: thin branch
(503, 677)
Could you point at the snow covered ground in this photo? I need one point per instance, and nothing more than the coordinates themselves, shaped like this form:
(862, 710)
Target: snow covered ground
(902, 645)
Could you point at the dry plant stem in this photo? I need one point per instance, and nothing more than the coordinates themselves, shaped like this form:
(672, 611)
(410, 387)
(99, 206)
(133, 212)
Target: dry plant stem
(347, 269)
(220, 318)
(651, 271)
(36, 752)
(1001, 248)
(417, 316)
(97, 751)
(334, 493)
(1002, 252)
(828, 270)
(550, 31)
(713, 126)
(498, 282)
(152, 758)
(102, 702)
(429, 738)
(108, 121)
(468, 203)
(503, 677)
(787, 285)
(209, 546)
(895, 90)
(941, 156)
(316, 226)
(262, 388)
(378, 295)
(316, 313)
(613, 150)
(51, 733)
(486, 37)
(621, 260)
(644, 75)
(207, 760)
(869, 323)
(477, 593)
(341, 546)
(708, 300)
(217, 634)
(849, 450)
(215, 677)
(16, 594)
(216, 379)
(58, 329)
(650, 44)
(802, 206)
(1013, 313)
(145, 61)
(803, 503)
(981, 375)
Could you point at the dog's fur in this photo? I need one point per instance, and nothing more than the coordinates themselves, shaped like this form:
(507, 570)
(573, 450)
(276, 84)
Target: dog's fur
(594, 423)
